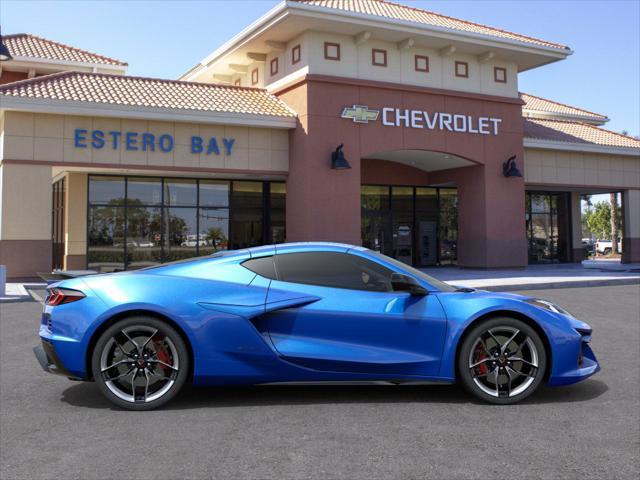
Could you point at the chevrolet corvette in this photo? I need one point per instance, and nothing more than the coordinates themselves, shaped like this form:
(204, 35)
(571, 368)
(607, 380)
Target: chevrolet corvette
(302, 312)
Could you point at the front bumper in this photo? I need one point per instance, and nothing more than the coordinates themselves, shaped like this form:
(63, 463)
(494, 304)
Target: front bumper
(577, 361)
(49, 361)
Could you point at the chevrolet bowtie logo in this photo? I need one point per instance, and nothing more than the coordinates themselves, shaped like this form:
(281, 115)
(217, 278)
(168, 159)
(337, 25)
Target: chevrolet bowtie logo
(360, 114)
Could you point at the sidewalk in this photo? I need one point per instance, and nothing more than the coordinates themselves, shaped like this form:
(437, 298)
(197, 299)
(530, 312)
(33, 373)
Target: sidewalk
(19, 292)
(534, 277)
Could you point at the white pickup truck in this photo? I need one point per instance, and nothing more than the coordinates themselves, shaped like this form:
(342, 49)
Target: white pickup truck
(604, 247)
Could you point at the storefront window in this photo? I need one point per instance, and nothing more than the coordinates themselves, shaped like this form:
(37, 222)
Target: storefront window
(214, 230)
(548, 226)
(106, 238)
(246, 214)
(107, 191)
(214, 193)
(136, 222)
(144, 191)
(448, 226)
(181, 193)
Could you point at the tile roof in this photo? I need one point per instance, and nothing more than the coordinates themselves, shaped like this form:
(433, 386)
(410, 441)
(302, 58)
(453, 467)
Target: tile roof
(395, 11)
(576, 132)
(148, 92)
(544, 105)
(32, 46)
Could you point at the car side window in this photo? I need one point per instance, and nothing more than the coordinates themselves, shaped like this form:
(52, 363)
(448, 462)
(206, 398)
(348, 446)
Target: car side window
(263, 266)
(333, 269)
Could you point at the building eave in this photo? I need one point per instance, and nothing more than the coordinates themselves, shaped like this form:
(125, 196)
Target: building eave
(93, 109)
(534, 143)
(286, 8)
(52, 63)
(542, 115)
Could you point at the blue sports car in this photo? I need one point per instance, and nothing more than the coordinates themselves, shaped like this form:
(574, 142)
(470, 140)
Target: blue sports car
(306, 312)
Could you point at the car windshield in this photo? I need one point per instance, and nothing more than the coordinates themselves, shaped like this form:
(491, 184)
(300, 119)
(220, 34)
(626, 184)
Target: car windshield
(434, 282)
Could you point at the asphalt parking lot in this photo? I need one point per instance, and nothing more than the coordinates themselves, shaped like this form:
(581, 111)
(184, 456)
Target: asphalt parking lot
(53, 428)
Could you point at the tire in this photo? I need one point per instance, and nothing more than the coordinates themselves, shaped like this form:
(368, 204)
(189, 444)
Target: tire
(131, 380)
(520, 364)
(607, 251)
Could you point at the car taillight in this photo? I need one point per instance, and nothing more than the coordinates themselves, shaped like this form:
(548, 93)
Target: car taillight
(58, 296)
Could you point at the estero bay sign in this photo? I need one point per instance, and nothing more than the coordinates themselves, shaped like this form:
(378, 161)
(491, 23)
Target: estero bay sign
(403, 117)
(134, 141)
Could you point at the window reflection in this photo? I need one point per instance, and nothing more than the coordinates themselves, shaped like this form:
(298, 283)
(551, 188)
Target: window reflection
(181, 192)
(180, 233)
(144, 236)
(138, 221)
(144, 191)
(214, 230)
(105, 250)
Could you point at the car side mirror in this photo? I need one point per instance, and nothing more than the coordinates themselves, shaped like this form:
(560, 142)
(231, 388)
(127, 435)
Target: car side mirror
(406, 283)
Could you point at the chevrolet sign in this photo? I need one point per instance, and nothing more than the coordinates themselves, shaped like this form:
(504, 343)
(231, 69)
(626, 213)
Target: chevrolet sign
(420, 119)
(360, 114)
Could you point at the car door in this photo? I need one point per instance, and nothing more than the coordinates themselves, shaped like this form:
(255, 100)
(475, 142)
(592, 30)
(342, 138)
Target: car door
(355, 322)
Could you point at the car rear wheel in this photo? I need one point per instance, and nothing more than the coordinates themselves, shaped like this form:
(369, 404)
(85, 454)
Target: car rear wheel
(502, 361)
(140, 363)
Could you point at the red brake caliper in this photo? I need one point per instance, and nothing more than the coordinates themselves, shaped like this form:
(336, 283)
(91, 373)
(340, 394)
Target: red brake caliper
(480, 354)
(163, 355)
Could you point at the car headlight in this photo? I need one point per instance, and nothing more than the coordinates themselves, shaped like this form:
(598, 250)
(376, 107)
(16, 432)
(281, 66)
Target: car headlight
(546, 305)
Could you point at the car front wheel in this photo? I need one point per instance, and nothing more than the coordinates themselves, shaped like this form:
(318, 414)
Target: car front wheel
(502, 361)
(140, 363)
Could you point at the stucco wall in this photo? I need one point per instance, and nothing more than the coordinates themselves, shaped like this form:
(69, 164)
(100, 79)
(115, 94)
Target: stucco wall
(50, 138)
(25, 222)
(551, 167)
(356, 62)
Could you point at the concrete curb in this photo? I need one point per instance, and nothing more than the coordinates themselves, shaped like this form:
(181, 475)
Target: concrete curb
(555, 285)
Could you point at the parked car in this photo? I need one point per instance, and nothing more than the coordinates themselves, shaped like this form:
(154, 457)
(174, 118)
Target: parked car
(588, 246)
(605, 247)
(193, 240)
(309, 312)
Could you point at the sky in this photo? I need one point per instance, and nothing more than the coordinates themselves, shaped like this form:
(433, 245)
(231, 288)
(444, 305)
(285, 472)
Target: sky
(166, 38)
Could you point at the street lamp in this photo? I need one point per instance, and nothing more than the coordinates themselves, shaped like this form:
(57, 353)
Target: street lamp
(4, 51)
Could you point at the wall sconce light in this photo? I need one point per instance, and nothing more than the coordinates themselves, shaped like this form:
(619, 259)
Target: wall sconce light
(338, 162)
(510, 169)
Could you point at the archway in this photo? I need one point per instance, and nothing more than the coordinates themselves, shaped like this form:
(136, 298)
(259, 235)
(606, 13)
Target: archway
(409, 202)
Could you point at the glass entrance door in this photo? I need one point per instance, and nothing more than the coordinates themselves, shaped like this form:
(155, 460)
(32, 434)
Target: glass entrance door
(416, 225)
(548, 226)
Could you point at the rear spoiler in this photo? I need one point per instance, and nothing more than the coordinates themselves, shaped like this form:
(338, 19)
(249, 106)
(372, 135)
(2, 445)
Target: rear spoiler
(58, 275)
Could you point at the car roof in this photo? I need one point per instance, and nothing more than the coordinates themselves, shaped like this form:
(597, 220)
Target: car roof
(302, 247)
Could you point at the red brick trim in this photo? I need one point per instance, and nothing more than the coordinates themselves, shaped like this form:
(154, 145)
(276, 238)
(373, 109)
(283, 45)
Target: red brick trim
(417, 60)
(376, 51)
(499, 75)
(461, 69)
(159, 168)
(295, 55)
(394, 86)
(327, 45)
(254, 76)
(273, 66)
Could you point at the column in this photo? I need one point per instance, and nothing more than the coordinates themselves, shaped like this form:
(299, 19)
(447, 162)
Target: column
(491, 219)
(75, 222)
(577, 250)
(631, 239)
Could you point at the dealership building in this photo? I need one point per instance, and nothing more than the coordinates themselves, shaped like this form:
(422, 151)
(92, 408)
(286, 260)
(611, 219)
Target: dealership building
(366, 122)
